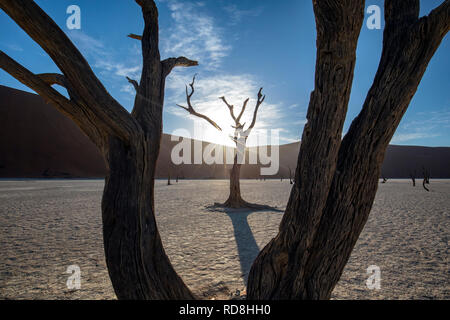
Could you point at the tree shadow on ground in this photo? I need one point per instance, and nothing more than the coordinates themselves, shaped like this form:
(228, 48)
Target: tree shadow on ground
(246, 244)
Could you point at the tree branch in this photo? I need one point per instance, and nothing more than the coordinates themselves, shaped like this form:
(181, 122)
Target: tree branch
(242, 110)
(259, 101)
(191, 110)
(231, 108)
(53, 78)
(111, 116)
(42, 85)
(134, 83)
(400, 14)
(170, 63)
(135, 36)
(438, 19)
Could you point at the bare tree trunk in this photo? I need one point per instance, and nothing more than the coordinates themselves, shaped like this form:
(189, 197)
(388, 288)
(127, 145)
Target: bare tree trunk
(329, 206)
(426, 179)
(137, 264)
(234, 199)
(413, 178)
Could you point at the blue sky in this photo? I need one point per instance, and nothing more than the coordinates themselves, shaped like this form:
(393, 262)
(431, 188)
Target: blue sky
(241, 45)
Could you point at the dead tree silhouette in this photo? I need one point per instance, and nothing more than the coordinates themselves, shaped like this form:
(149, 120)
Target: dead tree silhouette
(412, 175)
(426, 178)
(239, 138)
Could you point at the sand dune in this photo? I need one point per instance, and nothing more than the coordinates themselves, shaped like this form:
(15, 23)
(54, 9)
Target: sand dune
(38, 141)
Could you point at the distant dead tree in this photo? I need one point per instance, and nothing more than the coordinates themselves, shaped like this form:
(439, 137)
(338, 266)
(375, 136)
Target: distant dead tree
(239, 138)
(412, 175)
(426, 178)
(335, 181)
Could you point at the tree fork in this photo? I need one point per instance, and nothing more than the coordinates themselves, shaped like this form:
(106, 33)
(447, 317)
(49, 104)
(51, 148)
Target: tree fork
(408, 45)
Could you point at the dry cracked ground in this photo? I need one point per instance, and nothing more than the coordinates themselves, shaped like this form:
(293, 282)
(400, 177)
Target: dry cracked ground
(48, 225)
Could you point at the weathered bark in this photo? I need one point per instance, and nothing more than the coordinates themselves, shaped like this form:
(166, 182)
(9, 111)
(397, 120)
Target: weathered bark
(322, 223)
(137, 264)
(239, 138)
(277, 269)
(234, 199)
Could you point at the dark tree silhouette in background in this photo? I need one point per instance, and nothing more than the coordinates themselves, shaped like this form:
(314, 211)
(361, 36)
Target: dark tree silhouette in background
(426, 178)
(412, 175)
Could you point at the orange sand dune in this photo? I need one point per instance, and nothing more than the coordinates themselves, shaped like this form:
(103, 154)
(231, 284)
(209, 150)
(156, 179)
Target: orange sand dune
(36, 141)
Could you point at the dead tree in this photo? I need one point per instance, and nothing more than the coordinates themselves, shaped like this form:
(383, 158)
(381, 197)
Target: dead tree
(336, 179)
(412, 175)
(426, 178)
(239, 138)
(137, 263)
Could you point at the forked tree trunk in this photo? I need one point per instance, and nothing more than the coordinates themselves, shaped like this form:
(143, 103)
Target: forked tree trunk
(329, 206)
(137, 263)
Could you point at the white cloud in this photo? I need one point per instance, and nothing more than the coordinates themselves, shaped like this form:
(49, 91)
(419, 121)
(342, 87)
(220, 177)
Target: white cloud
(237, 15)
(12, 46)
(403, 137)
(194, 34)
(87, 44)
